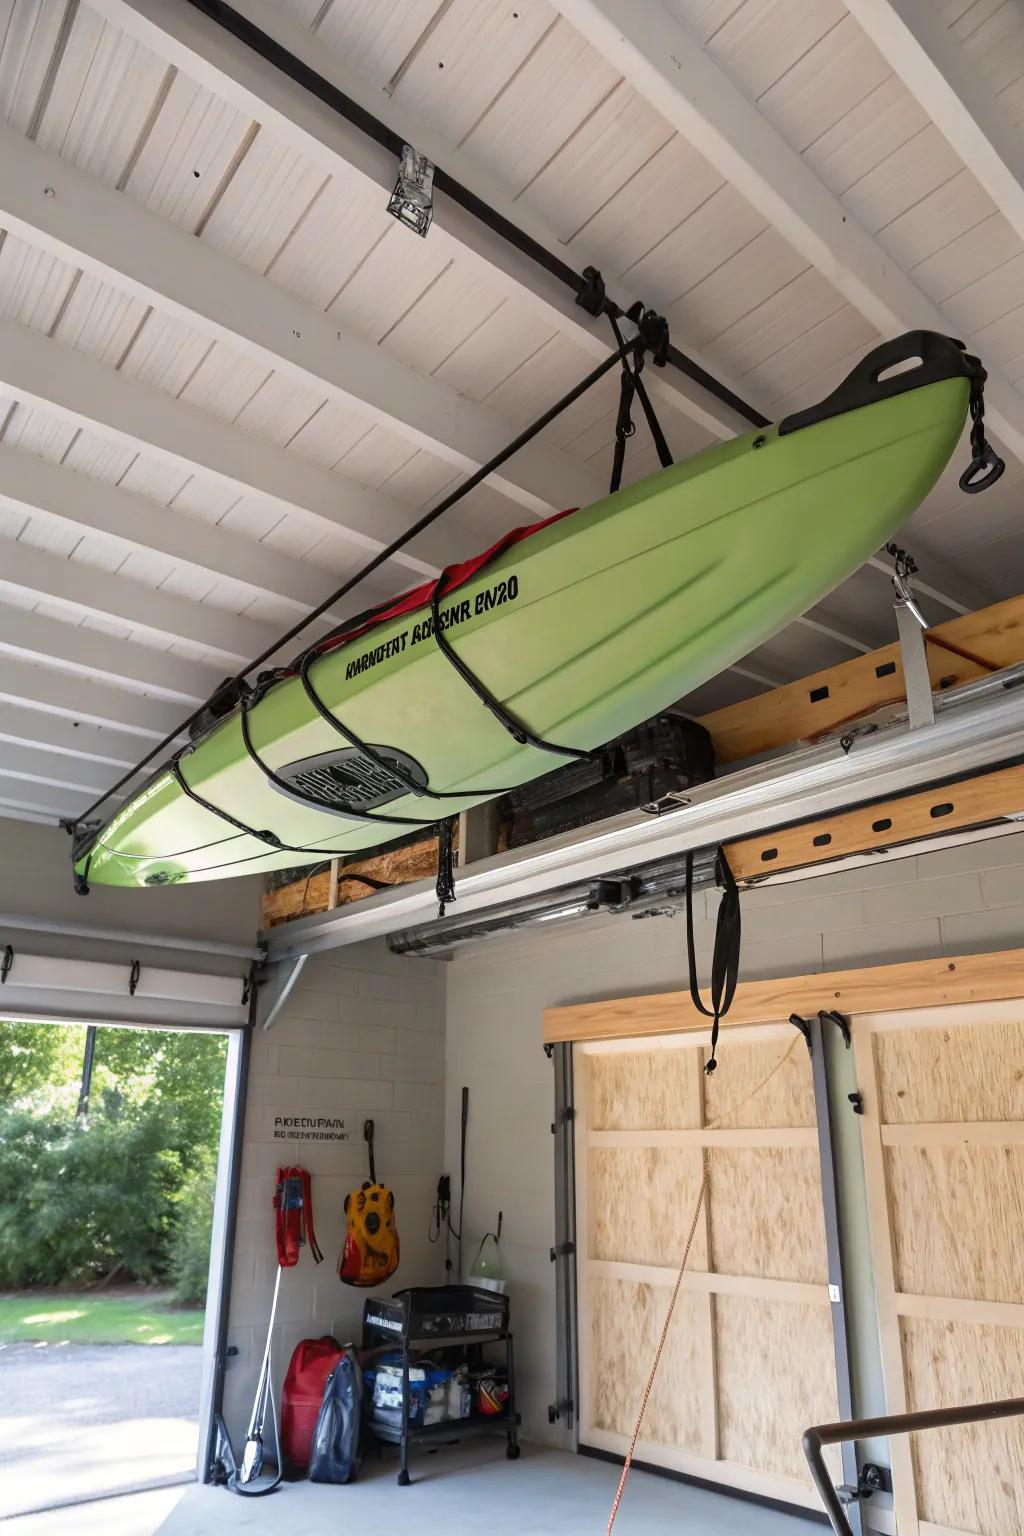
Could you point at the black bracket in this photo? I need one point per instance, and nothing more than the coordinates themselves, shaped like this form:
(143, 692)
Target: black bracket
(549, 1049)
(653, 330)
(248, 985)
(841, 1022)
(133, 977)
(592, 296)
(802, 1025)
(857, 1100)
(565, 1117)
(555, 1410)
(561, 1251)
(6, 963)
(613, 894)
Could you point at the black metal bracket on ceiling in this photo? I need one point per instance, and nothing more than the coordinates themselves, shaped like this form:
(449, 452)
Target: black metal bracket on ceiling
(585, 288)
(800, 1023)
(6, 963)
(135, 971)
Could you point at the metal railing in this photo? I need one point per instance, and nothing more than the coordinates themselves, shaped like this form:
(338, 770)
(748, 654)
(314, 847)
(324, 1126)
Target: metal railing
(820, 1435)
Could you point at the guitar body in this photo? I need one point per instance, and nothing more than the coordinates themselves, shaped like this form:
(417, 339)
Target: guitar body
(371, 1251)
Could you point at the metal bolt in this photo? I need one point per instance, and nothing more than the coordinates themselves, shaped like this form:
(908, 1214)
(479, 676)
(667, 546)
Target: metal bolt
(49, 192)
(759, 442)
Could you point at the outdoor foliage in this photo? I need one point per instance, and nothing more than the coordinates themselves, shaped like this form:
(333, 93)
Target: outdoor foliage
(190, 1250)
(125, 1191)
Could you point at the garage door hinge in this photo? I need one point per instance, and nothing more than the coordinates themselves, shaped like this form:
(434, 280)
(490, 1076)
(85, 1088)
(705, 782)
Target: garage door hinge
(7, 962)
(562, 1250)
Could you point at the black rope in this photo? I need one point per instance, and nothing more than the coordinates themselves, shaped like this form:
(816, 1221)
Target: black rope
(516, 729)
(428, 518)
(725, 963)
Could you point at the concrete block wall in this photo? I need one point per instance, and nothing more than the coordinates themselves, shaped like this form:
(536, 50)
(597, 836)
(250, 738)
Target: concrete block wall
(952, 901)
(362, 1035)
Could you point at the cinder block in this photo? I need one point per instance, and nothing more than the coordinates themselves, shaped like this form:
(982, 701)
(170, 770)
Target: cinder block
(428, 1097)
(768, 959)
(1003, 887)
(926, 898)
(413, 1042)
(418, 1069)
(883, 945)
(300, 1061)
(990, 853)
(785, 920)
(970, 933)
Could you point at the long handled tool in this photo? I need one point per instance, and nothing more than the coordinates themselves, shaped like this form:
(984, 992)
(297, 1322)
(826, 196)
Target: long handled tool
(250, 1477)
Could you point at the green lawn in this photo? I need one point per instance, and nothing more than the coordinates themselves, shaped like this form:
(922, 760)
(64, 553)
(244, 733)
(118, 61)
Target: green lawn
(64, 1317)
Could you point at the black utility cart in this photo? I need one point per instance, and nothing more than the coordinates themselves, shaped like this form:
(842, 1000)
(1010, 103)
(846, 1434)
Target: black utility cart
(453, 1323)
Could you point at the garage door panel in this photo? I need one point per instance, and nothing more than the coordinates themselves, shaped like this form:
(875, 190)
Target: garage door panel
(642, 1202)
(750, 1360)
(786, 1099)
(970, 1479)
(958, 1220)
(943, 1129)
(776, 1375)
(766, 1214)
(961, 1073)
(626, 1320)
(645, 1090)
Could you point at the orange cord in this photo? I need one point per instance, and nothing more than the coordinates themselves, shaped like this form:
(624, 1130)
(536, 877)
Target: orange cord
(659, 1351)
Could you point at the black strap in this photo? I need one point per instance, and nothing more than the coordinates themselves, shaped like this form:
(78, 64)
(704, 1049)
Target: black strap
(630, 384)
(725, 963)
(386, 765)
(368, 1138)
(445, 886)
(519, 732)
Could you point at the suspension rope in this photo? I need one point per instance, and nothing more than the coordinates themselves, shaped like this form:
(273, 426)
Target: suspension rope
(710, 1125)
(238, 681)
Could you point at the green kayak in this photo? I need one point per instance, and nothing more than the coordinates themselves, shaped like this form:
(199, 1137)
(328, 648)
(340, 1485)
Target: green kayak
(575, 630)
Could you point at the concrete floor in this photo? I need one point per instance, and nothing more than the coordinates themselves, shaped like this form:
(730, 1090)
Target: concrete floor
(77, 1420)
(545, 1493)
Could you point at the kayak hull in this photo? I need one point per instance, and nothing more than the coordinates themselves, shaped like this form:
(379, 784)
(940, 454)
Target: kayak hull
(590, 625)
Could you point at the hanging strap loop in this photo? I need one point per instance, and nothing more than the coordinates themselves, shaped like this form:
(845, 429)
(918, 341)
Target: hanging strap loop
(652, 335)
(986, 466)
(725, 963)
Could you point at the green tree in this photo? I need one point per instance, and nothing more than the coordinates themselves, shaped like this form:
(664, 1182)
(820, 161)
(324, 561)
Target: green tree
(38, 1056)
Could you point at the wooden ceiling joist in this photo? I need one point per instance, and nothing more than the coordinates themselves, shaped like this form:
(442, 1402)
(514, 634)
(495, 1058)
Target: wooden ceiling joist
(959, 651)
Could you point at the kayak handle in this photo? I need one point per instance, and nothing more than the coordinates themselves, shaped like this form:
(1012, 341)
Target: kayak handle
(905, 363)
(983, 470)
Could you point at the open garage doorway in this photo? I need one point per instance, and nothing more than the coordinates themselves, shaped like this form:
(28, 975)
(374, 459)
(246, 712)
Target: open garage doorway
(114, 1145)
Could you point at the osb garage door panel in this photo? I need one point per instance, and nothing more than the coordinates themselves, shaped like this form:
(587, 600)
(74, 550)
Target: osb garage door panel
(944, 1155)
(749, 1358)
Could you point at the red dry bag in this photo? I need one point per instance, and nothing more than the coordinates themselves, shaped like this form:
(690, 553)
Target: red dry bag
(311, 1364)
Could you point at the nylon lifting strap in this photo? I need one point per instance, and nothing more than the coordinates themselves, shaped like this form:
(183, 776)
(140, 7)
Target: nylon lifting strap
(631, 383)
(725, 963)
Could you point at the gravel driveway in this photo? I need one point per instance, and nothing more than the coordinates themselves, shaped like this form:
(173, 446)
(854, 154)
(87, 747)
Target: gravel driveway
(82, 1419)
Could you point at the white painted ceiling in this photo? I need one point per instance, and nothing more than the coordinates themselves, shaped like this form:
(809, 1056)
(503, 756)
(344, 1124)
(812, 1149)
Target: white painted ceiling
(227, 375)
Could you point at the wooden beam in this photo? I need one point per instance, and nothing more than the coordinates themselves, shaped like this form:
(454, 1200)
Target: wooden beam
(396, 866)
(959, 651)
(665, 63)
(206, 52)
(51, 203)
(871, 989)
(872, 828)
(937, 70)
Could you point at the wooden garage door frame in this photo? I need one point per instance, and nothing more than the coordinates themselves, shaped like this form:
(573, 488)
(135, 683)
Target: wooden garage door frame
(894, 1304)
(711, 1467)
